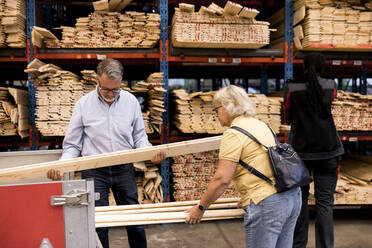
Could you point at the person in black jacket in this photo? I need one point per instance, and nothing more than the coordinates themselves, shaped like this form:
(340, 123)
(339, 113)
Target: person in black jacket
(307, 107)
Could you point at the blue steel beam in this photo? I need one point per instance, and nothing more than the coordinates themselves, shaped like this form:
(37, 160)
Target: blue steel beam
(164, 68)
(30, 13)
(288, 38)
(264, 89)
(363, 82)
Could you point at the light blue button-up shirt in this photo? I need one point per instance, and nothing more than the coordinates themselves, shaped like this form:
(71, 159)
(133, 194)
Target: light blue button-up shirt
(96, 127)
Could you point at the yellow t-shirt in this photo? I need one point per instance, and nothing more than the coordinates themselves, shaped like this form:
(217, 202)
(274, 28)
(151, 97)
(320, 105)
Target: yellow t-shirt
(236, 145)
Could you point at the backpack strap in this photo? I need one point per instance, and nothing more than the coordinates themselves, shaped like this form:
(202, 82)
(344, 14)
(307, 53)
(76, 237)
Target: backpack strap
(247, 166)
(255, 172)
(249, 135)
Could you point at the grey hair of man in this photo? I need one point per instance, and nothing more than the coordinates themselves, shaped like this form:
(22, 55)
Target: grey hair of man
(112, 68)
(235, 100)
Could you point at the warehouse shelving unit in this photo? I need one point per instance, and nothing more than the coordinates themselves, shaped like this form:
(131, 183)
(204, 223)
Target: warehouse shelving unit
(174, 61)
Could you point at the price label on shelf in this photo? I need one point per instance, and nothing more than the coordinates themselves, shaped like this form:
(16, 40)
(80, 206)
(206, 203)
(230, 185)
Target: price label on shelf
(101, 56)
(336, 62)
(236, 60)
(353, 139)
(357, 62)
(212, 60)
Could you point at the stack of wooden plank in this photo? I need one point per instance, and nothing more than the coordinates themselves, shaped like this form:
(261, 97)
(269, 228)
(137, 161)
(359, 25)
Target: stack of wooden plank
(105, 29)
(268, 110)
(324, 25)
(170, 212)
(56, 94)
(13, 112)
(2, 32)
(148, 183)
(153, 88)
(7, 127)
(146, 119)
(13, 23)
(354, 185)
(192, 173)
(194, 112)
(215, 28)
(352, 111)
(156, 99)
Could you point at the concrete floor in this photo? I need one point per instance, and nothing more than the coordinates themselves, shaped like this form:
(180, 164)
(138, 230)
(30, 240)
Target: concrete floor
(353, 229)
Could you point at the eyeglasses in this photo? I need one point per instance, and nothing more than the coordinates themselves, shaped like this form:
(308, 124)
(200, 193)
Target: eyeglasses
(105, 91)
(216, 109)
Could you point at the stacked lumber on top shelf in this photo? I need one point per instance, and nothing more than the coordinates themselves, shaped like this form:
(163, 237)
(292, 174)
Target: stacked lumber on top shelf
(352, 111)
(13, 112)
(327, 25)
(195, 114)
(13, 23)
(105, 29)
(354, 185)
(233, 26)
(169, 212)
(192, 173)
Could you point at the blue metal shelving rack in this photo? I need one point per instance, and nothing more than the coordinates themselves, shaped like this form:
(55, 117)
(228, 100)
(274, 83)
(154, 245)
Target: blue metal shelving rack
(164, 68)
(288, 38)
(30, 13)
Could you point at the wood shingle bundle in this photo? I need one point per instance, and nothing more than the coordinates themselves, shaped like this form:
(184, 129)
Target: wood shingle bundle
(57, 91)
(13, 112)
(354, 185)
(352, 111)
(194, 112)
(209, 29)
(153, 88)
(13, 23)
(192, 173)
(268, 110)
(110, 30)
(329, 25)
(148, 183)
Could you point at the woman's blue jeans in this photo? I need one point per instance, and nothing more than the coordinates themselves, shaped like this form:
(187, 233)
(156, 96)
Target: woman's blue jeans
(271, 223)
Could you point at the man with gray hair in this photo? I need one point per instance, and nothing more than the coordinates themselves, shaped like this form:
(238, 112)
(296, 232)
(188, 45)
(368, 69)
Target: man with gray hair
(108, 119)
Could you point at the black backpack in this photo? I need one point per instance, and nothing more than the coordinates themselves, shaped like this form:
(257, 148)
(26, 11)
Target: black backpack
(289, 170)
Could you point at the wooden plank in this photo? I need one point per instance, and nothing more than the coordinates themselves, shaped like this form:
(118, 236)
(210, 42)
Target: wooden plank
(278, 17)
(298, 16)
(108, 159)
(166, 209)
(113, 4)
(128, 223)
(161, 205)
(122, 5)
(167, 217)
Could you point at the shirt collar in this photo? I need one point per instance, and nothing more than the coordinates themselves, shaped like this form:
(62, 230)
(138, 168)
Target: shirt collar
(237, 119)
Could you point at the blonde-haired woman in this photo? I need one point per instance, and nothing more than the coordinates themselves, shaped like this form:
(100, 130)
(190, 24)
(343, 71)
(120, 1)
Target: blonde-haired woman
(270, 217)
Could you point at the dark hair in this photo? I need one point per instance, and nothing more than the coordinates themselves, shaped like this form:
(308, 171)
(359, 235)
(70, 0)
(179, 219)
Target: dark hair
(314, 64)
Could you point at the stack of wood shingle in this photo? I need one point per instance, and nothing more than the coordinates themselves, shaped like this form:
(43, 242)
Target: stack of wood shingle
(352, 111)
(327, 25)
(192, 173)
(214, 27)
(194, 112)
(13, 112)
(148, 183)
(354, 183)
(57, 91)
(110, 30)
(268, 110)
(13, 23)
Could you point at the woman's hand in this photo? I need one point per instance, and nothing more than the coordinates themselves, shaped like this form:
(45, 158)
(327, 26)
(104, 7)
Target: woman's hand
(55, 175)
(158, 158)
(195, 215)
